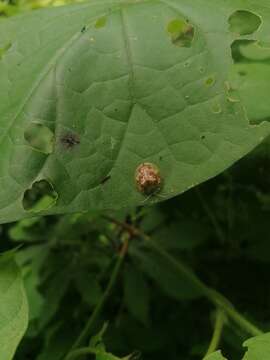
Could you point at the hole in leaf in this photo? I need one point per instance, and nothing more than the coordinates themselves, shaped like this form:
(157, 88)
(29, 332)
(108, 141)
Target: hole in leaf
(238, 49)
(101, 22)
(70, 140)
(181, 32)
(244, 22)
(40, 137)
(250, 50)
(4, 49)
(40, 196)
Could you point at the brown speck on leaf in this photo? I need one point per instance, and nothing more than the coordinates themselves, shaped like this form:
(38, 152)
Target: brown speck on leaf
(69, 140)
(148, 179)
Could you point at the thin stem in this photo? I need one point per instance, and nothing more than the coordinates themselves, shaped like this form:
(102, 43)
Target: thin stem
(213, 296)
(80, 352)
(218, 327)
(211, 216)
(89, 326)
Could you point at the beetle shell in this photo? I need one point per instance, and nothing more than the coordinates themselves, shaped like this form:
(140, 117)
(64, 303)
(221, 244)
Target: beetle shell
(147, 178)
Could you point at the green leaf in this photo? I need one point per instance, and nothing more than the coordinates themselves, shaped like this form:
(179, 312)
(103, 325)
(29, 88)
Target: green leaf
(258, 347)
(215, 356)
(115, 84)
(13, 306)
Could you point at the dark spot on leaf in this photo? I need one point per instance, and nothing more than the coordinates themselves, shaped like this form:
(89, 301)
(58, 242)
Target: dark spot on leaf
(160, 158)
(39, 137)
(242, 73)
(210, 81)
(70, 140)
(103, 181)
(181, 32)
(40, 196)
(83, 29)
(101, 22)
(203, 137)
(244, 22)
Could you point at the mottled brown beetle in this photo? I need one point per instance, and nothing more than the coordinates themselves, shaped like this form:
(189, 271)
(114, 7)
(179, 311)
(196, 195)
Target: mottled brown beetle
(147, 178)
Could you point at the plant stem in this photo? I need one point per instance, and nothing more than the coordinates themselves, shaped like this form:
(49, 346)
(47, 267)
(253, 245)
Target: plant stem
(213, 296)
(218, 327)
(87, 330)
(80, 352)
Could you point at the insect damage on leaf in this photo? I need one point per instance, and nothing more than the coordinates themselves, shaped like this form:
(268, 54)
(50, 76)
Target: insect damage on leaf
(244, 22)
(69, 140)
(181, 32)
(40, 196)
(148, 179)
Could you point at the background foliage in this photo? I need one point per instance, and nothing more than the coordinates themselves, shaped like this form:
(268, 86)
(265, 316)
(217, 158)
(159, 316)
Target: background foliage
(220, 229)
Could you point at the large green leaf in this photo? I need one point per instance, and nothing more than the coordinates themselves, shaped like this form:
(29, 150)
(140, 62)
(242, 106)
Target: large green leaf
(13, 306)
(115, 83)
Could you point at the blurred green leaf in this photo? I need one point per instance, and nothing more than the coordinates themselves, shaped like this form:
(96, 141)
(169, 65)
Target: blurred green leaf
(13, 306)
(165, 103)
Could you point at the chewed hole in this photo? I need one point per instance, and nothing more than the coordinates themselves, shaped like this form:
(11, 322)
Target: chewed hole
(4, 49)
(40, 137)
(181, 32)
(101, 22)
(40, 196)
(69, 140)
(244, 22)
(238, 49)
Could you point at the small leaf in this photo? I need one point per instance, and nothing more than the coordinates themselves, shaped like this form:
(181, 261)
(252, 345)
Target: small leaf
(258, 347)
(215, 356)
(13, 306)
